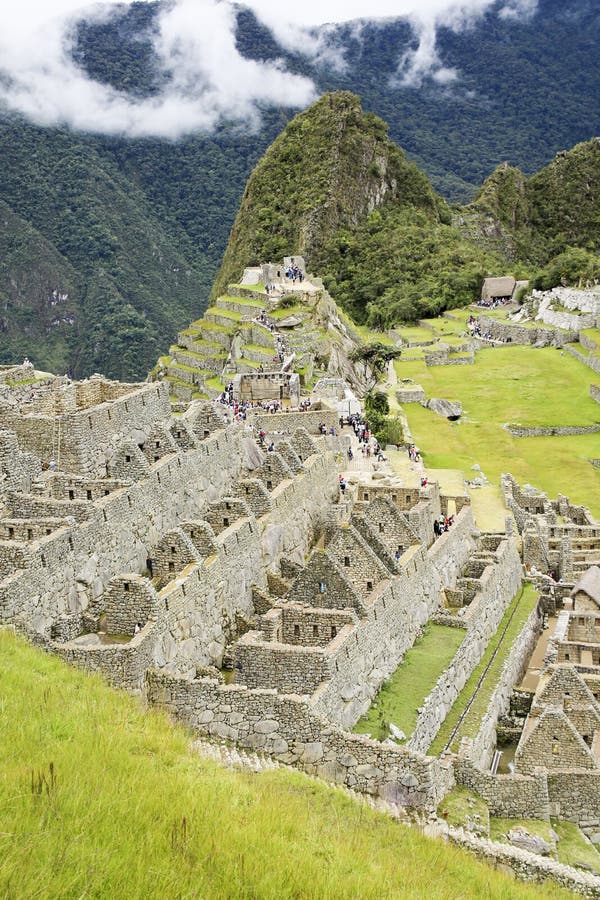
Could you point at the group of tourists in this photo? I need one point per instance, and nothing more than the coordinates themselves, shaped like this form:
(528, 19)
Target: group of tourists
(494, 302)
(280, 345)
(324, 430)
(474, 327)
(413, 453)
(294, 273)
(240, 408)
(442, 524)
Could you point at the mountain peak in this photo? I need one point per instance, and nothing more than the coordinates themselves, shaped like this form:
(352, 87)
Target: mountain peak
(332, 166)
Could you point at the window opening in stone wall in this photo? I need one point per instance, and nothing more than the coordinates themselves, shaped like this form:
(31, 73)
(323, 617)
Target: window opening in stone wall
(381, 528)
(172, 549)
(29, 534)
(296, 631)
(126, 586)
(269, 485)
(315, 631)
(225, 521)
(322, 587)
(346, 561)
(333, 631)
(369, 585)
(88, 495)
(71, 495)
(127, 458)
(11, 532)
(171, 566)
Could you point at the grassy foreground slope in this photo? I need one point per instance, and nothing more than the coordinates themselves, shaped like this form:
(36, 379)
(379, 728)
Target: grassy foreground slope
(100, 799)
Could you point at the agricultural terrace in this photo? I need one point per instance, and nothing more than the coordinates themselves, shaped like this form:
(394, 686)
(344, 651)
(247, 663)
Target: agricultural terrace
(399, 698)
(518, 385)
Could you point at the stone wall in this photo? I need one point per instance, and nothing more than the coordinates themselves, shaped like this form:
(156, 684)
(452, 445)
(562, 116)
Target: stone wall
(288, 422)
(575, 796)
(286, 728)
(498, 585)
(378, 643)
(591, 361)
(507, 796)
(484, 743)
(73, 565)
(513, 333)
(547, 430)
(80, 441)
(527, 866)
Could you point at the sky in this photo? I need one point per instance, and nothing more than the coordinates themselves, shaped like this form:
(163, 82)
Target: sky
(195, 42)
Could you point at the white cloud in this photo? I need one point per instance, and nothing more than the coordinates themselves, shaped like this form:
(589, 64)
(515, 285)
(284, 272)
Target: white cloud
(195, 43)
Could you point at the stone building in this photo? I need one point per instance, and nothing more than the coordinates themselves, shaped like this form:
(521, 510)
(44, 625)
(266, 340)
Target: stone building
(586, 593)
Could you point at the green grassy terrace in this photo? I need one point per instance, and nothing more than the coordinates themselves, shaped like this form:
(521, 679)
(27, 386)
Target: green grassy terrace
(593, 334)
(495, 656)
(100, 798)
(518, 385)
(415, 677)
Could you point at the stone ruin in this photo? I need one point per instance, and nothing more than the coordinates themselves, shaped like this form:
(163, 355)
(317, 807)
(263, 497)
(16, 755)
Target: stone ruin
(243, 593)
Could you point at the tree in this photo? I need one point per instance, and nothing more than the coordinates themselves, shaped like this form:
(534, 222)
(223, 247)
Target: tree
(374, 358)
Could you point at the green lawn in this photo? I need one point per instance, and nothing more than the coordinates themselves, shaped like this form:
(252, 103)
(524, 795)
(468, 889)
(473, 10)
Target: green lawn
(574, 848)
(593, 334)
(521, 606)
(518, 385)
(99, 798)
(398, 699)
(537, 827)
(461, 805)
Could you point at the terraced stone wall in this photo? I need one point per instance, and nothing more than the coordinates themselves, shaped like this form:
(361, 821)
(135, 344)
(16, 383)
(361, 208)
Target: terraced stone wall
(498, 585)
(285, 727)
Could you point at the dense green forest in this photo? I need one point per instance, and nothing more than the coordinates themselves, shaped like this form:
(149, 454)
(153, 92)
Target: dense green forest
(130, 233)
(389, 249)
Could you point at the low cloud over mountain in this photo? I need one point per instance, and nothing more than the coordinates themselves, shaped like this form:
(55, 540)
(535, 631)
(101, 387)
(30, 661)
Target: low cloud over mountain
(206, 78)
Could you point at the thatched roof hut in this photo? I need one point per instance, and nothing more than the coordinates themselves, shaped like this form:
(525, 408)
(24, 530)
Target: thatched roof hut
(589, 584)
(498, 288)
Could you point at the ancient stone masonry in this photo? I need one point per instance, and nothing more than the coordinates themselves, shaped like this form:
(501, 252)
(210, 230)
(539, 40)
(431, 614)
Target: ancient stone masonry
(557, 536)
(165, 547)
(514, 333)
(494, 577)
(74, 426)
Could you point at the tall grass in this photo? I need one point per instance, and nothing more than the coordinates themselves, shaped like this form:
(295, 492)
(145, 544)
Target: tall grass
(99, 799)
